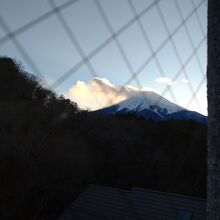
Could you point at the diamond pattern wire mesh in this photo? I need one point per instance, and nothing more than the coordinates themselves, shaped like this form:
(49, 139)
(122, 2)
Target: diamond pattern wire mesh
(86, 58)
(114, 37)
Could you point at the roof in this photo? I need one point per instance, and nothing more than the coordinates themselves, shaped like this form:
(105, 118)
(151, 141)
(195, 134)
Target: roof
(99, 202)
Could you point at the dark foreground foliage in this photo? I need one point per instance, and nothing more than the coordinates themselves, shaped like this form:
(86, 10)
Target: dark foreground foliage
(50, 150)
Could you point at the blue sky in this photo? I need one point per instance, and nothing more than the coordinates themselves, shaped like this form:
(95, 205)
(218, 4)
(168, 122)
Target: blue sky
(52, 51)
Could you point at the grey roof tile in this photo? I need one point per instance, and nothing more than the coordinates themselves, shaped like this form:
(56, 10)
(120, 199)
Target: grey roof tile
(98, 202)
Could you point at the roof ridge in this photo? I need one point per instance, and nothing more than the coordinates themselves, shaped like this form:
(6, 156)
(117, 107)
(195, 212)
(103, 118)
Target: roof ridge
(108, 187)
(166, 193)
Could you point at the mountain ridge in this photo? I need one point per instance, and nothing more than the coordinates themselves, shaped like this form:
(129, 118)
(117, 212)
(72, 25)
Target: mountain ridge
(150, 105)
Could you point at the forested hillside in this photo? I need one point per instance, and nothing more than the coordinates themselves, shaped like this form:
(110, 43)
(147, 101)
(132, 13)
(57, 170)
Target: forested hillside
(50, 150)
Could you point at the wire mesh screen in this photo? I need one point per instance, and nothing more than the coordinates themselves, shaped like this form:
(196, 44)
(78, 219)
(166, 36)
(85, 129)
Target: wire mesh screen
(99, 52)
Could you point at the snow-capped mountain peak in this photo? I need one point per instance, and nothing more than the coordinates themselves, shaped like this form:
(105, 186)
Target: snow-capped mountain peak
(149, 100)
(149, 105)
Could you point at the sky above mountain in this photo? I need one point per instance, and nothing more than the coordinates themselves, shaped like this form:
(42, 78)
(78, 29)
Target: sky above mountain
(87, 43)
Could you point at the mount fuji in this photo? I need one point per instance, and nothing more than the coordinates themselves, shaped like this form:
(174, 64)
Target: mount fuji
(150, 105)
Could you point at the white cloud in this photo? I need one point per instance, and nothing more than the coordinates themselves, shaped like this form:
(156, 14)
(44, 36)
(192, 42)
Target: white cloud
(165, 80)
(100, 92)
(184, 80)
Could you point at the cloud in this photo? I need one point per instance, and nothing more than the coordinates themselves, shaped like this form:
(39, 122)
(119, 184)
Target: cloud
(184, 80)
(165, 80)
(99, 93)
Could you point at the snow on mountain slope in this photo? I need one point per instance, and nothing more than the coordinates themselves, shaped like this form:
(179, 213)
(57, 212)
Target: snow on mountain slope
(149, 100)
(148, 104)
